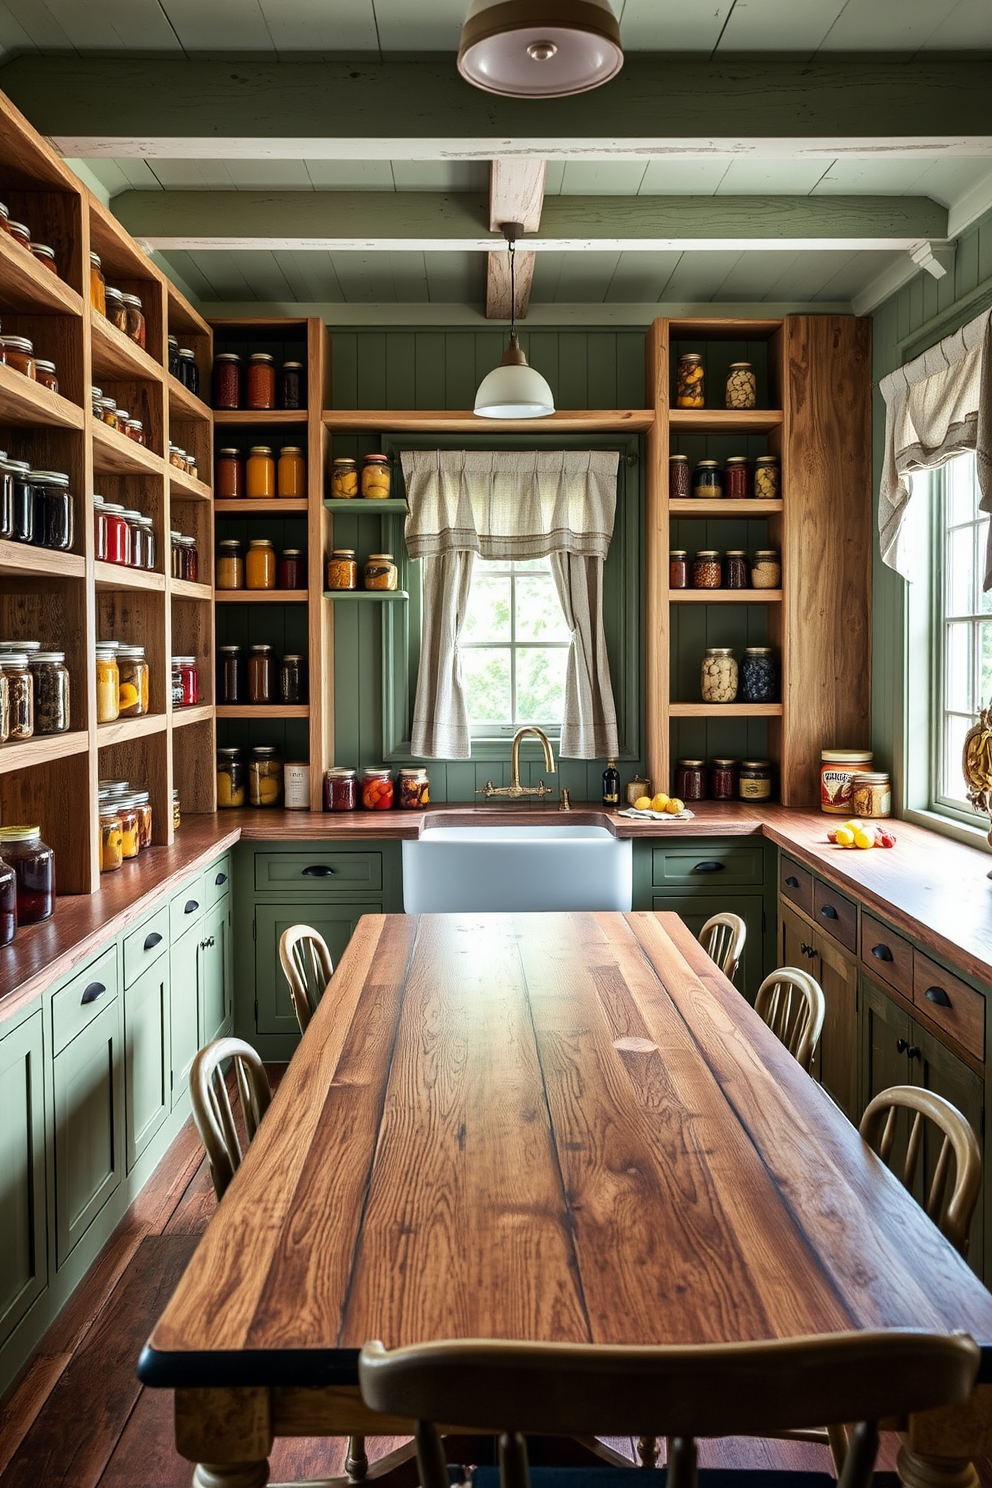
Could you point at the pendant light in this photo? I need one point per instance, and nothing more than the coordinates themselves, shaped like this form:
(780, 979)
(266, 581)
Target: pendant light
(539, 48)
(513, 389)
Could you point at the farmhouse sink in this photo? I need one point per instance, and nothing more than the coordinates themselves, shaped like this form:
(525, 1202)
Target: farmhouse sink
(536, 866)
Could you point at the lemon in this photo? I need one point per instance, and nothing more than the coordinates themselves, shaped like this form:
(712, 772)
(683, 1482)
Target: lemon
(863, 838)
(643, 803)
(660, 802)
(674, 806)
(845, 837)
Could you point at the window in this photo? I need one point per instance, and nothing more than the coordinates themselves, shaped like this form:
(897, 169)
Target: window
(514, 647)
(962, 633)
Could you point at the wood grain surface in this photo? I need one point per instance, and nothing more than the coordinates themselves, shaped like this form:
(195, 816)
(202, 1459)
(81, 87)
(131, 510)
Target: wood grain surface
(561, 1126)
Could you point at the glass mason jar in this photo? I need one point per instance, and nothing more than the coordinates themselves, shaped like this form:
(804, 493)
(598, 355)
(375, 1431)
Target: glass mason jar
(678, 568)
(380, 571)
(707, 572)
(231, 779)
(147, 526)
(18, 352)
(177, 814)
(134, 328)
(291, 570)
(227, 380)
(189, 559)
(189, 676)
(98, 284)
(45, 254)
(132, 671)
(4, 708)
(261, 674)
(376, 478)
(33, 862)
(340, 789)
(20, 694)
(689, 381)
(136, 539)
(678, 477)
(377, 790)
(344, 478)
(135, 430)
(20, 232)
(99, 529)
(718, 680)
(871, 794)
(264, 776)
(292, 679)
(175, 555)
(20, 473)
(707, 481)
(108, 680)
(130, 836)
(51, 692)
(414, 788)
(736, 478)
(121, 417)
(230, 675)
(46, 375)
(53, 525)
(189, 372)
(261, 381)
(229, 475)
(291, 475)
(230, 564)
(118, 533)
(742, 386)
(766, 569)
(291, 389)
(736, 573)
(690, 780)
(116, 313)
(142, 803)
(755, 780)
(172, 345)
(260, 564)
(759, 675)
(342, 569)
(260, 473)
(6, 497)
(767, 478)
(723, 779)
(8, 903)
(111, 839)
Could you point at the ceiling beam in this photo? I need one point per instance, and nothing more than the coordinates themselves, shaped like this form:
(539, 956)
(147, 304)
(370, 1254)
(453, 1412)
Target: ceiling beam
(516, 194)
(498, 284)
(433, 222)
(420, 108)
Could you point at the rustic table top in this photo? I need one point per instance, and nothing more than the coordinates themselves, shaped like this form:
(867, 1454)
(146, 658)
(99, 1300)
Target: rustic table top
(556, 1126)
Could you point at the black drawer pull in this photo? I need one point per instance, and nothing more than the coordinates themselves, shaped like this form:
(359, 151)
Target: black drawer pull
(221, 878)
(191, 906)
(938, 995)
(709, 865)
(317, 870)
(792, 882)
(901, 1045)
(828, 912)
(92, 992)
(882, 953)
(151, 941)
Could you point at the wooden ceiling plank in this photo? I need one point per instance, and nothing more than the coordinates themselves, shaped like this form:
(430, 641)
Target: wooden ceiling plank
(498, 283)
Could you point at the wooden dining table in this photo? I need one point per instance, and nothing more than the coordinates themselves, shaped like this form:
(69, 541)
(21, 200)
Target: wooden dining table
(541, 1126)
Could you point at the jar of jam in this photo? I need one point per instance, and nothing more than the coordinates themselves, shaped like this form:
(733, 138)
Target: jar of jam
(45, 255)
(291, 475)
(264, 776)
(189, 372)
(108, 680)
(176, 673)
(344, 478)
(260, 564)
(707, 572)
(736, 478)
(229, 475)
(20, 694)
(132, 671)
(227, 380)
(742, 386)
(33, 862)
(261, 674)
(376, 477)
(766, 569)
(8, 903)
(230, 564)
(414, 788)
(755, 780)
(98, 284)
(678, 568)
(189, 672)
(340, 789)
(121, 417)
(46, 375)
(759, 675)
(21, 233)
(342, 569)
(118, 533)
(115, 312)
(230, 675)
(678, 477)
(111, 839)
(18, 352)
(377, 790)
(690, 780)
(51, 691)
(723, 779)
(260, 473)
(767, 481)
(261, 381)
(292, 679)
(231, 779)
(134, 328)
(380, 571)
(291, 389)
(707, 481)
(689, 381)
(291, 570)
(736, 572)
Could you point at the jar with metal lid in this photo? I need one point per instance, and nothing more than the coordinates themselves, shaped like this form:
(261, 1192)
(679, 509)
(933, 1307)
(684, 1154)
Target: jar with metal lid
(98, 284)
(135, 430)
(871, 794)
(23, 505)
(227, 380)
(176, 810)
(292, 679)
(4, 219)
(296, 785)
(20, 694)
(6, 496)
(230, 675)
(766, 569)
(53, 511)
(121, 417)
(108, 685)
(4, 708)
(719, 675)
(377, 789)
(759, 675)
(261, 381)
(380, 572)
(689, 381)
(189, 674)
(690, 780)
(260, 564)
(340, 789)
(46, 375)
(175, 555)
(99, 530)
(376, 477)
(231, 778)
(21, 233)
(111, 839)
(116, 311)
(136, 539)
(264, 776)
(147, 526)
(342, 569)
(130, 833)
(755, 780)
(707, 572)
(108, 412)
(33, 862)
(229, 475)
(678, 477)
(724, 780)
(134, 327)
(736, 478)
(838, 767)
(260, 473)
(736, 573)
(261, 674)
(415, 791)
(291, 570)
(189, 559)
(51, 692)
(291, 475)
(189, 372)
(707, 481)
(344, 478)
(172, 352)
(637, 788)
(176, 676)
(45, 255)
(230, 564)
(118, 533)
(678, 568)
(291, 388)
(132, 671)
(8, 903)
(107, 788)
(18, 352)
(742, 386)
(767, 482)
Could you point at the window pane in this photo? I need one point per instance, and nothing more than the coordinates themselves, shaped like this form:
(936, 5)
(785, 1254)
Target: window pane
(488, 617)
(539, 615)
(960, 571)
(985, 664)
(541, 684)
(486, 674)
(952, 785)
(958, 668)
(962, 489)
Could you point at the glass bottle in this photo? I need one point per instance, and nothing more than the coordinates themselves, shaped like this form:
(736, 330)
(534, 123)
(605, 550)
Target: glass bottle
(291, 475)
(51, 692)
(231, 778)
(261, 381)
(264, 776)
(260, 473)
(261, 674)
(230, 564)
(33, 862)
(20, 694)
(260, 564)
(227, 380)
(229, 475)
(611, 784)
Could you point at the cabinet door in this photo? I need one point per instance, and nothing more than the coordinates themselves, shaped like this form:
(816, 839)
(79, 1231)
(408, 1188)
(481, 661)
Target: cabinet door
(214, 978)
(23, 1247)
(885, 1038)
(88, 1127)
(183, 1006)
(335, 922)
(147, 1068)
(795, 941)
(838, 1052)
(936, 1068)
(696, 910)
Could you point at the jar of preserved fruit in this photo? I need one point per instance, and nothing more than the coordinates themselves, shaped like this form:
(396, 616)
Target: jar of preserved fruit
(108, 412)
(736, 478)
(33, 862)
(53, 513)
(291, 570)
(134, 327)
(376, 477)
(755, 780)
(742, 386)
(689, 381)
(111, 839)
(261, 381)
(98, 284)
(707, 481)
(736, 574)
(766, 569)
(108, 700)
(719, 675)
(291, 476)
(678, 568)
(176, 811)
(20, 694)
(261, 674)
(130, 835)
(342, 569)
(51, 692)
(189, 676)
(172, 348)
(292, 679)
(132, 669)
(45, 255)
(414, 787)
(231, 675)
(380, 571)
(45, 373)
(18, 352)
(690, 780)
(264, 776)
(723, 779)
(189, 372)
(260, 564)
(147, 527)
(296, 785)
(190, 559)
(118, 533)
(230, 564)
(344, 478)
(871, 794)
(116, 312)
(767, 481)
(229, 475)
(23, 513)
(231, 778)
(759, 675)
(707, 572)
(227, 380)
(678, 477)
(99, 529)
(175, 555)
(20, 232)
(291, 390)
(260, 473)
(838, 770)
(377, 789)
(340, 789)
(8, 903)
(121, 417)
(135, 430)
(141, 801)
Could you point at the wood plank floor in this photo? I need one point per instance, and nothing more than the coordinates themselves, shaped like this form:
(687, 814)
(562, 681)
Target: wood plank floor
(79, 1418)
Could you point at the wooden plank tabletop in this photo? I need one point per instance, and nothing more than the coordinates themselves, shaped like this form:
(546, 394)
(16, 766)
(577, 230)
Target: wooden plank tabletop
(564, 1126)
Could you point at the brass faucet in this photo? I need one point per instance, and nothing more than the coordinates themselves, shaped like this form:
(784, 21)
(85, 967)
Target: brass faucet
(515, 790)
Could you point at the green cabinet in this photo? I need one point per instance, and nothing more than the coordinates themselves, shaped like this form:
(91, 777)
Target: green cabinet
(214, 981)
(147, 1056)
(88, 1079)
(336, 923)
(835, 1062)
(184, 1017)
(23, 1233)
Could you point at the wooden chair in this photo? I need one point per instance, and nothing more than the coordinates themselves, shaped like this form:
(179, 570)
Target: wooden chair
(791, 1002)
(952, 1215)
(681, 1392)
(306, 961)
(722, 938)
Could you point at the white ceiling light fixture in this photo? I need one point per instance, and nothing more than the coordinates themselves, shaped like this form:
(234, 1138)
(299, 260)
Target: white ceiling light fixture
(513, 389)
(539, 48)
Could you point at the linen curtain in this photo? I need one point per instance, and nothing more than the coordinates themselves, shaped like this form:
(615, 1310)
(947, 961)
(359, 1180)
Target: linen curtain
(937, 406)
(506, 505)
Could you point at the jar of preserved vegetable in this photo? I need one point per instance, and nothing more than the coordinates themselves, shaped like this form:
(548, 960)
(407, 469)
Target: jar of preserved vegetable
(260, 564)
(229, 475)
(291, 476)
(260, 473)
(742, 386)
(189, 372)
(376, 477)
(719, 675)
(678, 568)
(132, 669)
(377, 789)
(380, 571)
(135, 430)
(231, 675)
(755, 780)
(689, 381)
(767, 483)
(18, 352)
(20, 694)
(736, 478)
(736, 574)
(8, 903)
(759, 675)
(707, 481)
(111, 839)
(231, 778)
(53, 524)
(344, 478)
(46, 374)
(678, 477)
(51, 692)
(291, 390)
(108, 680)
(33, 862)
(706, 570)
(142, 803)
(414, 788)
(108, 412)
(690, 780)
(121, 417)
(261, 381)
(116, 312)
(134, 327)
(292, 679)
(227, 380)
(340, 789)
(291, 570)
(723, 779)
(230, 564)
(264, 776)
(342, 569)
(130, 839)
(261, 674)
(98, 284)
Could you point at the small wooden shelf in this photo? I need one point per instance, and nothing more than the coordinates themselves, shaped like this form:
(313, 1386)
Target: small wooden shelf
(130, 728)
(263, 710)
(687, 507)
(118, 455)
(725, 596)
(724, 420)
(201, 713)
(186, 589)
(25, 284)
(23, 558)
(116, 356)
(725, 710)
(262, 596)
(247, 417)
(25, 402)
(117, 576)
(183, 404)
(187, 486)
(378, 595)
(42, 749)
(439, 421)
(288, 506)
(364, 506)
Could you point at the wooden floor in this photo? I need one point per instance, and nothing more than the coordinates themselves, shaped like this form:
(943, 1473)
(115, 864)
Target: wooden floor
(78, 1416)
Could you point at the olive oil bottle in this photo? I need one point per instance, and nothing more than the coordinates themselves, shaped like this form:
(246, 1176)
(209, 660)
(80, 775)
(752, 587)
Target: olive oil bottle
(611, 784)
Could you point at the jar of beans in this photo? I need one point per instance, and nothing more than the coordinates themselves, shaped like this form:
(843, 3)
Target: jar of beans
(766, 569)
(736, 478)
(678, 569)
(707, 572)
(678, 477)
(736, 574)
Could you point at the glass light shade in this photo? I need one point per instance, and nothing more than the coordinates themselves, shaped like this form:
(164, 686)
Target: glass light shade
(539, 48)
(514, 390)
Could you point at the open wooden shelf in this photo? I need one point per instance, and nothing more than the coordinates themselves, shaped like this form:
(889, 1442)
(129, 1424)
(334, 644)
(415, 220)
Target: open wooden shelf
(365, 506)
(25, 402)
(183, 404)
(441, 421)
(200, 713)
(117, 357)
(130, 728)
(687, 507)
(187, 589)
(42, 749)
(246, 417)
(724, 420)
(725, 596)
(118, 455)
(187, 486)
(25, 283)
(23, 558)
(378, 595)
(117, 576)
(285, 507)
(725, 710)
(262, 596)
(263, 710)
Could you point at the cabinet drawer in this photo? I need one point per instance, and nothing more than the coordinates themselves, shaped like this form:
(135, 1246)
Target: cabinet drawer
(886, 955)
(950, 1003)
(836, 915)
(797, 884)
(186, 907)
(78, 1003)
(707, 866)
(144, 945)
(319, 873)
(217, 880)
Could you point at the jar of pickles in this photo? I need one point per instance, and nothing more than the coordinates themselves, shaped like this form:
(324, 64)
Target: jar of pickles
(340, 789)
(227, 380)
(230, 564)
(261, 381)
(376, 477)
(264, 776)
(260, 473)
(742, 386)
(689, 381)
(231, 778)
(33, 862)
(377, 789)
(108, 705)
(380, 571)
(344, 478)
(229, 475)
(414, 788)
(132, 671)
(51, 692)
(767, 480)
(342, 569)
(260, 564)
(111, 839)
(20, 694)
(291, 475)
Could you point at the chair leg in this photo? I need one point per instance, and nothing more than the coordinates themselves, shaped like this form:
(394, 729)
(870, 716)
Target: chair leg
(837, 1437)
(647, 1451)
(356, 1462)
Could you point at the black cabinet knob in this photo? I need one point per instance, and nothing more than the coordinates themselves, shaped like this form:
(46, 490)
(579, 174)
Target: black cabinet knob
(792, 882)
(92, 992)
(937, 995)
(912, 1052)
(881, 953)
(901, 1045)
(152, 940)
(828, 912)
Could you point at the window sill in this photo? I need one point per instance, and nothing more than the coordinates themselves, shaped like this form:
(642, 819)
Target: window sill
(947, 827)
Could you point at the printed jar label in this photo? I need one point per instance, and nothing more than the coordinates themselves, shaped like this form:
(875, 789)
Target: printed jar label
(835, 788)
(755, 790)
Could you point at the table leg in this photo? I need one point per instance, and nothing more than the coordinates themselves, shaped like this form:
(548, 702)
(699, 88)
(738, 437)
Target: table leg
(920, 1470)
(231, 1475)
